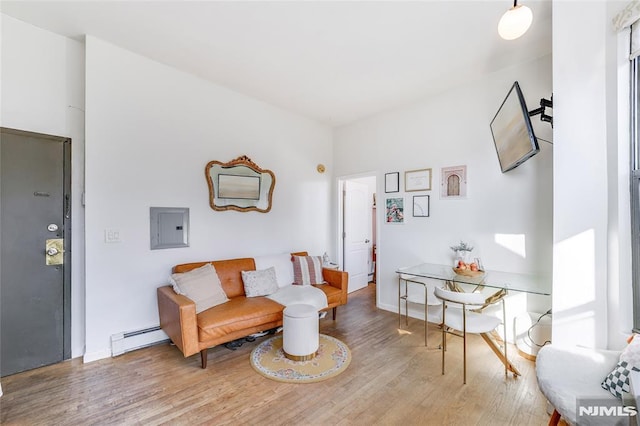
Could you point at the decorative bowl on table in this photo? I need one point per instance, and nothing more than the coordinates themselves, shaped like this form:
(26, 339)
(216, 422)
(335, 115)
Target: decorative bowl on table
(467, 272)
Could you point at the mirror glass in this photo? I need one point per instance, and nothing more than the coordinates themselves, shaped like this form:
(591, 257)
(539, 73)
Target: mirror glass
(239, 185)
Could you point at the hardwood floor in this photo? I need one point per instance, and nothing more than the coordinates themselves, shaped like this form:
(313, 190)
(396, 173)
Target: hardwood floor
(392, 380)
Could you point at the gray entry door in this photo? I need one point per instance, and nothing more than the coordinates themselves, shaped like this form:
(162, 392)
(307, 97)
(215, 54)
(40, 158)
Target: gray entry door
(34, 225)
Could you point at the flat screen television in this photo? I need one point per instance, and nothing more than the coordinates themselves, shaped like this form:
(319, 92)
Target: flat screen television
(512, 132)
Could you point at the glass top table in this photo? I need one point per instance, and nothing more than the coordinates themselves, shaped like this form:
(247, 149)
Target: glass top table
(510, 281)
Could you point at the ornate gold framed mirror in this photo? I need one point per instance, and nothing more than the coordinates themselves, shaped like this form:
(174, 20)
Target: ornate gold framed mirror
(240, 185)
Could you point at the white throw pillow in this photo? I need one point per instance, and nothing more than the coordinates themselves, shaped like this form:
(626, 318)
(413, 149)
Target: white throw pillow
(201, 285)
(283, 265)
(259, 283)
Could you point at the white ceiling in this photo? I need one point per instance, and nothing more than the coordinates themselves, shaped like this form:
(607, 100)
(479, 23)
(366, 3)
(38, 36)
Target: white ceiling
(332, 61)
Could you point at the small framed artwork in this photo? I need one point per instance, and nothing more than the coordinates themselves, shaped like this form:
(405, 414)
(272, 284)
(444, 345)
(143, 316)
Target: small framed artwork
(417, 180)
(392, 182)
(454, 182)
(394, 210)
(420, 206)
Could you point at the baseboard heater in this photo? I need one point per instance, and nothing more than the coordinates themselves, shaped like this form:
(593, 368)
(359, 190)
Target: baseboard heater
(132, 340)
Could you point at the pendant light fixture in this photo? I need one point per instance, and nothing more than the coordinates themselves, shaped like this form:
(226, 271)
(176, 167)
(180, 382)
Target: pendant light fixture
(515, 21)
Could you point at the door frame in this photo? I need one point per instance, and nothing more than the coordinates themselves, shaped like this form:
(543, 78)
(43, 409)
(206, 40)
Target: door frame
(66, 224)
(340, 217)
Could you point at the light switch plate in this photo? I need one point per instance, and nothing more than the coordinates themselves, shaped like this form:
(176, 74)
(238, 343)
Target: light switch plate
(112, 236)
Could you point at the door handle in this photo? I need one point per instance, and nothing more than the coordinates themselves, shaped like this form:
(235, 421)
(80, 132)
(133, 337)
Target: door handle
(367, 241)
(54, 251)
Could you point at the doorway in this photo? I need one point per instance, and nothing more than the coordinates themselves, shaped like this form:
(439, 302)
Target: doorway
(357, 225)
(35, 250)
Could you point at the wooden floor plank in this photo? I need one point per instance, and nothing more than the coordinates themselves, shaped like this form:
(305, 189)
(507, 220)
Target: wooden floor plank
(392, 380)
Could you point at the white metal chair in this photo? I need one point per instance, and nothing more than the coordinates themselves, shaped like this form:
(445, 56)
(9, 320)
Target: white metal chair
(433, 314)
(460, 313)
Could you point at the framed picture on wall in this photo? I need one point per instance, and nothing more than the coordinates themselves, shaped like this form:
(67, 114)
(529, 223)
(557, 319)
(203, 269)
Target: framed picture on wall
(417, 180)
(453, 183)
(394, 212)
(392, 182)
(420, 206)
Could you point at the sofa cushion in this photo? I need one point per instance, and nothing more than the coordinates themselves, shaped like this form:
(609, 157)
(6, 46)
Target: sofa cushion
(307, 270)
(228, 272)
(201, 285)
(282, 264)
(238, 314)
(334, 295)
(260, 283)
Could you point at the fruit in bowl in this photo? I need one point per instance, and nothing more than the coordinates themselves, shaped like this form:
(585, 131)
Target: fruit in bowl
(467, 269)
(473, 266)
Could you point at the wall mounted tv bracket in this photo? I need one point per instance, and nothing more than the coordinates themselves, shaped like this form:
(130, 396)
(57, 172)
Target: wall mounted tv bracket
(544, 103)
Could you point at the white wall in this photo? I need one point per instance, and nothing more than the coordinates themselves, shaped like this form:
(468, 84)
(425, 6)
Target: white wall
(592, 273)
(150, 132)
(43, 91)
(448, 130)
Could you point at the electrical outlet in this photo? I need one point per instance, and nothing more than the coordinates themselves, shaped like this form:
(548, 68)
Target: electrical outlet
(112, 236)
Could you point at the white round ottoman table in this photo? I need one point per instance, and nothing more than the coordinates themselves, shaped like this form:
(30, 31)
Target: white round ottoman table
(300, 332)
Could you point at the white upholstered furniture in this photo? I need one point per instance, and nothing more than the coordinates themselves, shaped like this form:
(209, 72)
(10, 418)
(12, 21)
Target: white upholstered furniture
(300, 332)
(568, 373)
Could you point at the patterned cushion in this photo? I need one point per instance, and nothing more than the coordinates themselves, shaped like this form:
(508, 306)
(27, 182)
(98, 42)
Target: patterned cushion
(260, 283)
(307, 270)
(201, 285)
(618, 380)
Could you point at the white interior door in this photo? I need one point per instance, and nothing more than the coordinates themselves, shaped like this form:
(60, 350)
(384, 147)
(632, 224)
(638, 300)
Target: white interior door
(357, 234)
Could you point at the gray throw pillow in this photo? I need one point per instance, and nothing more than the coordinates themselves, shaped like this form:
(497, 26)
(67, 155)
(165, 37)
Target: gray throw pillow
(260, 283)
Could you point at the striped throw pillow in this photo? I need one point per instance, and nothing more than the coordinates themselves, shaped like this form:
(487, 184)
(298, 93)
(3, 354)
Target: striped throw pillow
(307, 270)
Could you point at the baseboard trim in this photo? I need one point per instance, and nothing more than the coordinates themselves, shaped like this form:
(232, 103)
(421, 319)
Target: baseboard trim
(131, 341)
(97, 355)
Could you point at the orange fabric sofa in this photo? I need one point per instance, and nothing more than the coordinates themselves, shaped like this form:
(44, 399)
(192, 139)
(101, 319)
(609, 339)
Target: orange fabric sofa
(241, 316)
